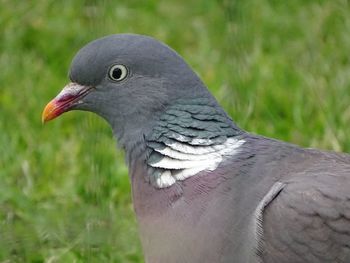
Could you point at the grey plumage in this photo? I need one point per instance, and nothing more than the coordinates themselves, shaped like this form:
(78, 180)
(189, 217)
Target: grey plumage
(203, 189)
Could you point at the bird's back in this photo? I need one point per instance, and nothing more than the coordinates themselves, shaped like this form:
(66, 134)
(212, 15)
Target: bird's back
(309, 221)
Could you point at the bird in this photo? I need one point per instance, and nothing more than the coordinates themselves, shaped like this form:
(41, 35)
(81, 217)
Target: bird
(203, 189)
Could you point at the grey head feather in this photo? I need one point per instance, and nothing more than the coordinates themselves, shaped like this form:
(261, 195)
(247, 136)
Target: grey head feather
(157, 78)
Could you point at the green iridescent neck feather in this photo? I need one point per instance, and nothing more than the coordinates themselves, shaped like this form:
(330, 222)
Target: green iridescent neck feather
(191, 136)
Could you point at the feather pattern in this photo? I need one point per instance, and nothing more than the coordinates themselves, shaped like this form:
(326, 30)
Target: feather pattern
(190, 137)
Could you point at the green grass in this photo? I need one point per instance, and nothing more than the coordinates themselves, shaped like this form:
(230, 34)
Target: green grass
(280, 68)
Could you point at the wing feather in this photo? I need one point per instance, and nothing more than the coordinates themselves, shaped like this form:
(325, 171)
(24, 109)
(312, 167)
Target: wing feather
(309, 220)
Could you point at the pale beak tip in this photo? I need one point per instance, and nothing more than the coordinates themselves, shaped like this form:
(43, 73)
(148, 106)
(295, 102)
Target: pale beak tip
(48, 112)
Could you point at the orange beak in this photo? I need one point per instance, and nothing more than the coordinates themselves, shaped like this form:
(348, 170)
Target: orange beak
(51, 111)
(69, 97)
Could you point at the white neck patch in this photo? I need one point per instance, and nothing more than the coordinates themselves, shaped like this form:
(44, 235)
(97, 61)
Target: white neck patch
(179, 160)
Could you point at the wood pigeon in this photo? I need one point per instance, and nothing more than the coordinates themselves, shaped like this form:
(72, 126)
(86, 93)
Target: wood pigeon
(203, 189)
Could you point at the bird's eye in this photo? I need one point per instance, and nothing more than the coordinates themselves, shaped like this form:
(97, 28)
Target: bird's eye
(117, 72)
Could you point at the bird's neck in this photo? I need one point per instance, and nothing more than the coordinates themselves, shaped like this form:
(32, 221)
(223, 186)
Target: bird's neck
(188, 137)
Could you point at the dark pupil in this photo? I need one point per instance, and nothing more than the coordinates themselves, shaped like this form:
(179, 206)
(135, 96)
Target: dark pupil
(116, 73)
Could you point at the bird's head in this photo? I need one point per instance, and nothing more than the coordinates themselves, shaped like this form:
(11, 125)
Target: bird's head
(127, 79)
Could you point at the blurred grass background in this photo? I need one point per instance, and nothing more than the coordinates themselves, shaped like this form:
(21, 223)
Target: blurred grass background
(280, 68)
